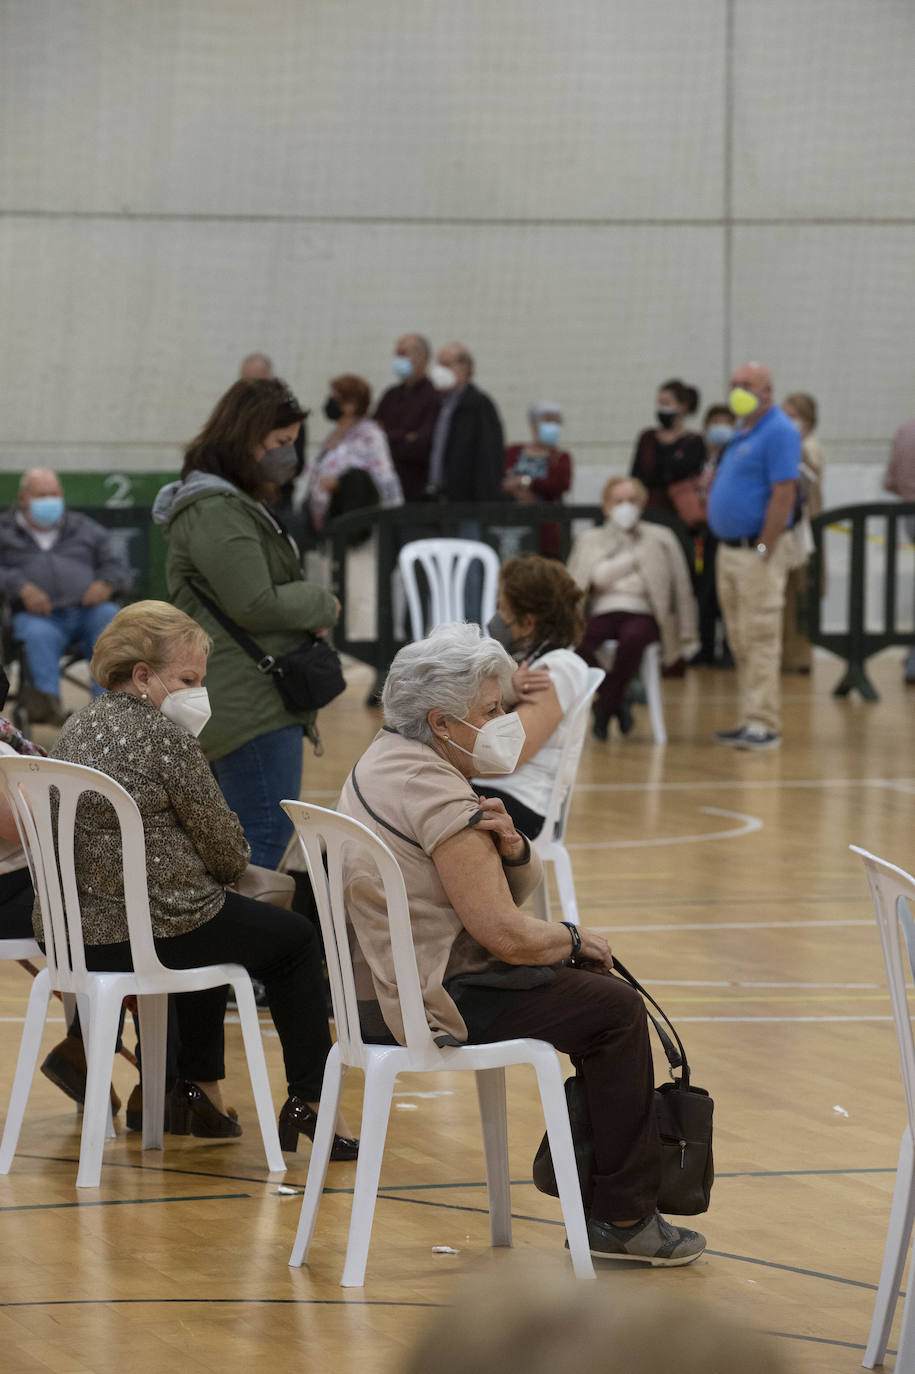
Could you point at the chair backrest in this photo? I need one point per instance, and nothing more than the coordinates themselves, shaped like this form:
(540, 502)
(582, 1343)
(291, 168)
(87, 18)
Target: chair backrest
(554, 825)
(447, 564)
(893, 895)
(330, 842)
(44, 794)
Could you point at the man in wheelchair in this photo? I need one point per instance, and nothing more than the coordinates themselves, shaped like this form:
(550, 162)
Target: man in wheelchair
(58, 573)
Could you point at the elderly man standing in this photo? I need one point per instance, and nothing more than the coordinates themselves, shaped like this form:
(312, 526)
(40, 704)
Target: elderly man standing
(407, 413)
(468, 446)
(58, 572)
(750, 507)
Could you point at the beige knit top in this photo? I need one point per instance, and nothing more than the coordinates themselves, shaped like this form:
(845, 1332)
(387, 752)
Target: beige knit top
(194, 843)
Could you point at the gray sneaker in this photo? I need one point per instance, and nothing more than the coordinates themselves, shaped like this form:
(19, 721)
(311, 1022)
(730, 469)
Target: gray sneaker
(651, 1241)
(729, 736)
(757, 737)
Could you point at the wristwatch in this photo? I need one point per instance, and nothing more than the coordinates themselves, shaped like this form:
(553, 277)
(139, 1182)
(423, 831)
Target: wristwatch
(762, 550)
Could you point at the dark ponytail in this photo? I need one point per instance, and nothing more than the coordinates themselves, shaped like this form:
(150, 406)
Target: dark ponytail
(687, 396)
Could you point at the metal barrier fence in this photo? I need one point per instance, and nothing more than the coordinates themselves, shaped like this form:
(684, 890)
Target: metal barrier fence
(495, 523)
(856, 644)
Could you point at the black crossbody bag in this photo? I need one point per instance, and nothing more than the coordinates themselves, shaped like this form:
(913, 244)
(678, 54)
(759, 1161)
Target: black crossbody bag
(684, 1115)
(307, 677)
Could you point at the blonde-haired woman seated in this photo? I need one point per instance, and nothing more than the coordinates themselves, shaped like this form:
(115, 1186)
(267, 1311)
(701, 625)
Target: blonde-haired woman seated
(539, 622)
(488, 971)
(637, 581)
(142, 732)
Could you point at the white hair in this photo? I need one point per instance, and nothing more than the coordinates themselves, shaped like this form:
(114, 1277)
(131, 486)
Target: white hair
(539, 408)
(444, 672)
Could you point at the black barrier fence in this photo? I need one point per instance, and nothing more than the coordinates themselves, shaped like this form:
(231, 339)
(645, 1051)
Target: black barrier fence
(870, 526)
(508, 528)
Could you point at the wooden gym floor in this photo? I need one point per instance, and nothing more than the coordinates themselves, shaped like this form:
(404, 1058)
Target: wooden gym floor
(723, 880)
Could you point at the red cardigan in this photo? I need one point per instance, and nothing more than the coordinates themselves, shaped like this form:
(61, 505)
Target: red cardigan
(550, 487)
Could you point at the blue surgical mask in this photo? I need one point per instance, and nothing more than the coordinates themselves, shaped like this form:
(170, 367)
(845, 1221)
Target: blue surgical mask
(719, 435)
(403, 368)
(46, 510)
(548, 432)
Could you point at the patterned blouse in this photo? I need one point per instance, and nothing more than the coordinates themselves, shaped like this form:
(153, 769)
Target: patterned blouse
(194, 843)
(365, 446)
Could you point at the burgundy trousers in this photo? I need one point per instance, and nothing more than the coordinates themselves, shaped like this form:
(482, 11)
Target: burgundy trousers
(633, 633)
(600, 1022)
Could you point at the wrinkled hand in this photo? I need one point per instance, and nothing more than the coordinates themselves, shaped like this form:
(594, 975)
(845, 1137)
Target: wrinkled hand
(500, 825)
(512, 483)
(35, 601)
(594, 948)
(527, 682)
(97, 592)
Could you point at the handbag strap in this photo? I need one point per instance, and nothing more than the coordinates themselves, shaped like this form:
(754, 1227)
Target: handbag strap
(676, 1061)
(266, 663)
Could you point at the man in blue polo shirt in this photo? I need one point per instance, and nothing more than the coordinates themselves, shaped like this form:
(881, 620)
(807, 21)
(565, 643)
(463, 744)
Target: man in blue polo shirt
(749, 510)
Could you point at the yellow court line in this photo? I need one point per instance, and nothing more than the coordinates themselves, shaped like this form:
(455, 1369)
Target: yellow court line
(871, 538)
(784, 997)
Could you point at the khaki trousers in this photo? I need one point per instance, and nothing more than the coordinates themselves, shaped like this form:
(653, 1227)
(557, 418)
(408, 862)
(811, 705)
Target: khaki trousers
(751, 592)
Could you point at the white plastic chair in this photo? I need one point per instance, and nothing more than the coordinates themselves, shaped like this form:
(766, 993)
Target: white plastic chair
(447, 564)
(28, 784)
(324, 834)
(893, 895)
(650, 673)
(550, 843)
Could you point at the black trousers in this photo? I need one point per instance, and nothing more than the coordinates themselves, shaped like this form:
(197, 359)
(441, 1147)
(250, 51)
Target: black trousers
(525, 820)
(16, 900)
(277, 947)
(600, 1022)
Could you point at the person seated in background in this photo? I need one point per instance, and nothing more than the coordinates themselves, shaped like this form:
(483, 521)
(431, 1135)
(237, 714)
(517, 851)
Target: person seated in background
(801, 409)
(354, 442)
(539, 622)
(670, 452)
(638, 587)
(487, 971)
(142, 731)
(407, 413)
(58, 572)
(540, 470)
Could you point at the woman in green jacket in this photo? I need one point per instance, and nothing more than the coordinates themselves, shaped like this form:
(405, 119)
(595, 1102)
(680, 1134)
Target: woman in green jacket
(224, 542)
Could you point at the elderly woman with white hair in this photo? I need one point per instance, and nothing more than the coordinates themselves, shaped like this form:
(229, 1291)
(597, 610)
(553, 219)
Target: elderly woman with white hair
(487, 970)
(539, 470)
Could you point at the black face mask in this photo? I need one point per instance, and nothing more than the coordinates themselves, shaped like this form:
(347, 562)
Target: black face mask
(332, 408)
(4, 687)
(666, 418)
(500, 630)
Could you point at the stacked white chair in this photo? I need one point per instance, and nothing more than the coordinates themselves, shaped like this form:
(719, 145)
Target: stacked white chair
(324, 835)
(893, 896)
(447, 564)
(44, 794)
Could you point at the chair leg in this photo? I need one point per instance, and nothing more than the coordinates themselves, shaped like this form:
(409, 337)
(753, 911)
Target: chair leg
(556, 1115)
(652, 681)
(376, 1108)
(902, 1215)
(26, 1064)
(565, 882)
(257, 1069)
(153, 1011)
(494, 1118)
(100, 1037)
(331, 1088)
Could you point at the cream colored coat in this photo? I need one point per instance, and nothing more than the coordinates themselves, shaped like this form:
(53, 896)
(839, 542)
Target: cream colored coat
(660, 560)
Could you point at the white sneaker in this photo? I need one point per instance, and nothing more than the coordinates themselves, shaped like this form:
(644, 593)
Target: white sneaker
(757, 737)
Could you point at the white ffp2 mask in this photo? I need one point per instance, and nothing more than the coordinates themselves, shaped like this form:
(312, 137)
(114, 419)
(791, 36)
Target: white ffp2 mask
(189, 707)
(625, 515)
(498, 745)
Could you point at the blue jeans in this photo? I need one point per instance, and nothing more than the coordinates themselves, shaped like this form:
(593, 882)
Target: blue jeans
(46, 636)
(254, 780)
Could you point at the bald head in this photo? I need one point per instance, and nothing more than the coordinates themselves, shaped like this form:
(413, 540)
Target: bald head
(416, 348)
(256, 367)
(757, 378)
(459, 359)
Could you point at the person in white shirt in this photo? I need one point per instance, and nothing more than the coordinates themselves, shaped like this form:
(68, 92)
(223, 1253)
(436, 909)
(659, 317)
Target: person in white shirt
(539, 622)
(638, 587)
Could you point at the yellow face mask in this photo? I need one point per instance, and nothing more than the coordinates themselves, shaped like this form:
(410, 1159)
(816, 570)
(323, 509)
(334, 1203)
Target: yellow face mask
(742, 402)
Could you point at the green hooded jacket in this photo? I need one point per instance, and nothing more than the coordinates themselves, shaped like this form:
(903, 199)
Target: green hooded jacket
(230, 547)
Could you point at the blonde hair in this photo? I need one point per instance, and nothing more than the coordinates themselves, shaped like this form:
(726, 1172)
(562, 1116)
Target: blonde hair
(641, 490)
(145, 632)
(806, 407)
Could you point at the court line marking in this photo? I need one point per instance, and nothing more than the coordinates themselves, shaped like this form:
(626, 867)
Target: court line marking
(742, 784)
(774, 1020)
(748, 826)
(208, 1302)
(124, 1202)
(731, 925)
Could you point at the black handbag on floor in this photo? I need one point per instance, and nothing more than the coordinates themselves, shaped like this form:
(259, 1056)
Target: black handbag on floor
(684, 1115)
(307, 677)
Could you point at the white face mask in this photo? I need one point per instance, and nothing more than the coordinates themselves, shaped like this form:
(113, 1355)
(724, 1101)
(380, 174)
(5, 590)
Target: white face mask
(443, 378)
(498, 745)
(189, 707)
(626, 515)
